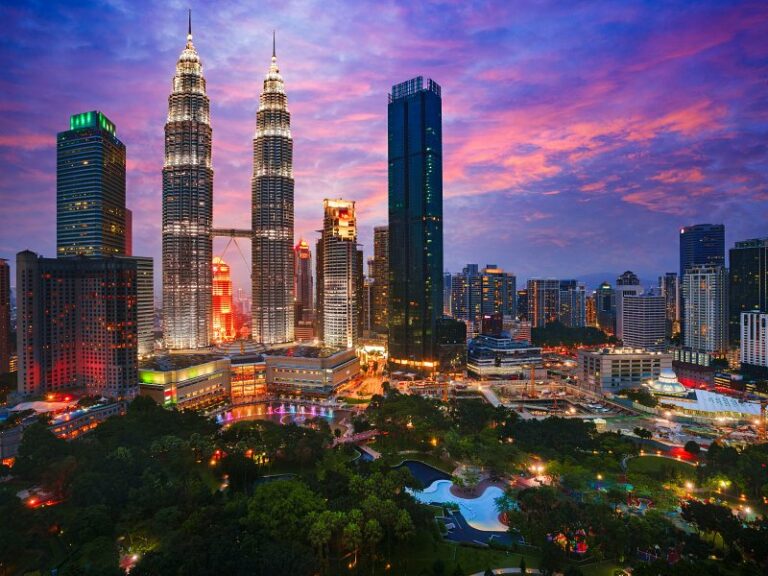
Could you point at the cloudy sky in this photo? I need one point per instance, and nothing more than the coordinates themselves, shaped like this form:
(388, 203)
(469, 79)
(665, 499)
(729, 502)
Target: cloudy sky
(578, 136)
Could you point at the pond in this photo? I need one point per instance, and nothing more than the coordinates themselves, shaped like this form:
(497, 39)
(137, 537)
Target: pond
(424, 473)
(480, 513)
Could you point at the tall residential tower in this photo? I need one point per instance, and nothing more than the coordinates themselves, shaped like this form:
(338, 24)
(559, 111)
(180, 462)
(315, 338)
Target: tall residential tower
(187, 207)
(272, 214)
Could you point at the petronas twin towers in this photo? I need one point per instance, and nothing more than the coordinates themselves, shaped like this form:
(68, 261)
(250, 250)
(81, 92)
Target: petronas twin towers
(188, 211)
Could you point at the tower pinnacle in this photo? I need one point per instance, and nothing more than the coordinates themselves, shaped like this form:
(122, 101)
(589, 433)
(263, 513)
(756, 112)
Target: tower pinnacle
(189, 29)
(274, 52)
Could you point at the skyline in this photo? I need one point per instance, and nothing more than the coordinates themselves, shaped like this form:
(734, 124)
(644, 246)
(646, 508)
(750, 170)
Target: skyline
(535, 153)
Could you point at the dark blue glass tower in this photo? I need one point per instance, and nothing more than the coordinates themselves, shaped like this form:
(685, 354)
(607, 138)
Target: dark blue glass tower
(415, 222)
(702, 244)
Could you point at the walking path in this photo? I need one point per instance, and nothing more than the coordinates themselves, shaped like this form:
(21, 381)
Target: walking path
(508, 571)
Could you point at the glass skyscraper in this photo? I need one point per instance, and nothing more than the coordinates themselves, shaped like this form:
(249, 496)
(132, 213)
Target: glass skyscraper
(415, 221)
(272, 214)
(748, 282)
(187, 208)
(90, 188)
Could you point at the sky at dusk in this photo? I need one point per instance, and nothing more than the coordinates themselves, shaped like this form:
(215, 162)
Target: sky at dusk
(578, 136)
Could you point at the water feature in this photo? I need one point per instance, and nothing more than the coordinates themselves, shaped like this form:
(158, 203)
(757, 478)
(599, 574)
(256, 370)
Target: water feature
(480, 513)
(283, 413)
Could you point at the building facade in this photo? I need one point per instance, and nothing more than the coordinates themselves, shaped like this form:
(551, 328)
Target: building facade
(748, 282)
(223, 318)
(476, 293)
(380, 274)
(340, 261)
(303, 287)
(669, 285)
(90, 188)
(186, 381)
(5, 317)
(705, 313)
(415, 152)
(753, 352)
(628, 284)
(78, 325)
(572, 304)
(610, 370)
(310, 371)
(543, 301)
(501, 357)
(187, 207)
(644, 321)
(272, 214)
(605, 308)
(700, 244)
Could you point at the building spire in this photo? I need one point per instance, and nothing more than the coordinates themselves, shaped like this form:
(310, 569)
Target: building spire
(189, 29)
(274, 52)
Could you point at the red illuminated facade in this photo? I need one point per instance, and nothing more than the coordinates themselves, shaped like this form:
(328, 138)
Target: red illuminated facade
(223, 324)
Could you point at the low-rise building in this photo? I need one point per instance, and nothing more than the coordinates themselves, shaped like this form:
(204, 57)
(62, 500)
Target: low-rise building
(248, 381)
(186, 381)
(310, 370)
(500, 356)
(610, 370)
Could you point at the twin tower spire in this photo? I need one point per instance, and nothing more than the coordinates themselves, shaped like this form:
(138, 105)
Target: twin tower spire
(188, 210)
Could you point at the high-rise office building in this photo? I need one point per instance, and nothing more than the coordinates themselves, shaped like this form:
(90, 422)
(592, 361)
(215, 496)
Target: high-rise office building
(380, 274)
(145, 303)
(543, 301)
(273, 213)
(360, 291)
(705, 295)
(476, 293)
(366, 324)
(303, 289)
(340, 259)
(466, 296)
(522, 304)
(644, 321)
(669, 284)
(187, 207)
(700, 244)
(605, 308)
(447, 294)
(498, 290)
(590, 314)
(319, 286)
(628, 284)
(572, 304)
(754, 343)
(223, 317)
(748, 282)
(415, 153)
(90, 188)
(5, 316)
(78, 324)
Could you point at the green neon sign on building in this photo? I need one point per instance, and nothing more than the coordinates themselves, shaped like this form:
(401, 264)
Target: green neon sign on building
(93, 119)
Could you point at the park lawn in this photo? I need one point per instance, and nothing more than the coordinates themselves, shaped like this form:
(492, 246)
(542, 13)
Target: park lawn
(605, 568)
(350, 400)
(424, 551)
(653, 466)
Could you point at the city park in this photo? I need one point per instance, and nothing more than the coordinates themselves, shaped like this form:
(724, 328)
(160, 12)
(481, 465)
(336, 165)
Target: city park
(392, 483)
